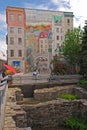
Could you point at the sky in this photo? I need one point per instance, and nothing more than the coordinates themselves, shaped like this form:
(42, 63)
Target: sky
(78, 7)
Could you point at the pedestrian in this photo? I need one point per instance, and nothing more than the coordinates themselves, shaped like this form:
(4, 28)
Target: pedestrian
(3, 73)
(1, 77)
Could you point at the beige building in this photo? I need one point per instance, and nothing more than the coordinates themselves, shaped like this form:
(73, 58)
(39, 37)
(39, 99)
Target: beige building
(35, 36)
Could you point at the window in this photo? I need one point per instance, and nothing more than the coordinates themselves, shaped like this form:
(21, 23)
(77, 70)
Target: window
(19, 30)
(68, 21)
(61, 38)
(19, 17)
(61, 30)
(11, 40)
(57, 29)
(57, 37)
(41, 46)
(68, 30)
(41, 41)
(46, 41)
(19, 41)
(11, 53)
(58, 45)
(11, 17)
(20, 53)
(11, 29)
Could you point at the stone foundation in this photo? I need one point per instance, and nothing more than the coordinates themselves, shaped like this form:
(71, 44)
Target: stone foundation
(12, 109)
(47, 114)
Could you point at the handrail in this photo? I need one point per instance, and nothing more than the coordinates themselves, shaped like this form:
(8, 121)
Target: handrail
(3, 88)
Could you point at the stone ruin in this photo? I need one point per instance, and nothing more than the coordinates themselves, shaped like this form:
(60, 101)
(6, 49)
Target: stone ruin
(45, 114)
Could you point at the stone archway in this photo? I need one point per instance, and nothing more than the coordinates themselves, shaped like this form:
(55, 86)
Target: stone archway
(42, 64)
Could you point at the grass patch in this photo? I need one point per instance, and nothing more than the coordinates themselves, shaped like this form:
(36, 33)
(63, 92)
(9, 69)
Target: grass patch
(69, 96)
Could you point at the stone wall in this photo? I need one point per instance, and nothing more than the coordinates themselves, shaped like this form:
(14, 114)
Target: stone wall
(52, 93)
(47, 114)
(52, 113)
(55, 92)
(12, 109)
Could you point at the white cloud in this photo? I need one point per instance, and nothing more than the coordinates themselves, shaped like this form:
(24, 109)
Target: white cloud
(3, 21)
(78, 7)
(3, 46)
(33, 6)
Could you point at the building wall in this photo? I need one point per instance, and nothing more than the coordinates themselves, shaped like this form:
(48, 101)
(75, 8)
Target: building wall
(2, 62)
(37, 50)
(16, 30)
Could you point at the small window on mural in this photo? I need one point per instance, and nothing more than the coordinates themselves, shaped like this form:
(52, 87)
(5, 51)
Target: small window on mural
(19, 30)
(20, 53)
(19, 41)
(11, 40)
(68, 21)
(19, 18)
(11, 29)
(11, 17)
(11, 53)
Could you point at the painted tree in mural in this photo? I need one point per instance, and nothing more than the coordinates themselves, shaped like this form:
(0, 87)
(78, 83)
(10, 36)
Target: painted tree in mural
(84, 52)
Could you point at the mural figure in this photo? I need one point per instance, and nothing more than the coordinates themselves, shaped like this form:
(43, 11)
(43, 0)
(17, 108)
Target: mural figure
(33, 42)
(29, 59)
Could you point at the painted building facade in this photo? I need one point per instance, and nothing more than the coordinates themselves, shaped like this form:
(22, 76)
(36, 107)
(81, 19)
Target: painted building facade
(35, 36)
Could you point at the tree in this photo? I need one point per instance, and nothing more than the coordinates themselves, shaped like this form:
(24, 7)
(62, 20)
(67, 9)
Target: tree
(72, 46)
(83, 63)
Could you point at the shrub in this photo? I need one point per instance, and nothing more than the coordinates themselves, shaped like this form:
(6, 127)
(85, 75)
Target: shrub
(62, 68)
(69, 96)
(76, 123)
(83, 83)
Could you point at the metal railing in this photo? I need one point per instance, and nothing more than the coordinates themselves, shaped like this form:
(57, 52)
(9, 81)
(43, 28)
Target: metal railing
(45, 78)
(3, 96)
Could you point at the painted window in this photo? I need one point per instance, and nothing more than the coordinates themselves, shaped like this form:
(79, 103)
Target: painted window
(19, 17)
(57, 37)
(61, 38)
(19, 41)
(19, 30)
(61, 30)
(68, 21)
(11, 29)
(11, 17)
(11, 53)
(41, 46)
(68, 30)
(57, 30)
(11, 40)
(20, 53)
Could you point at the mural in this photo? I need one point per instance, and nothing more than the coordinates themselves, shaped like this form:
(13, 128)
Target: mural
(57, 20)
(33, 35)
(17, 65)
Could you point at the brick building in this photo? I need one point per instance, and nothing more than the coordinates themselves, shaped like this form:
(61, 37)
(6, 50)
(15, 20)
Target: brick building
(34, 36)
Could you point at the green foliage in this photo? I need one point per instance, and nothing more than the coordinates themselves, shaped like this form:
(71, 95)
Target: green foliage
(83, 83)
(83, 53)
(60, 68)
(76, 123)
(72, 45)
(69, 96)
